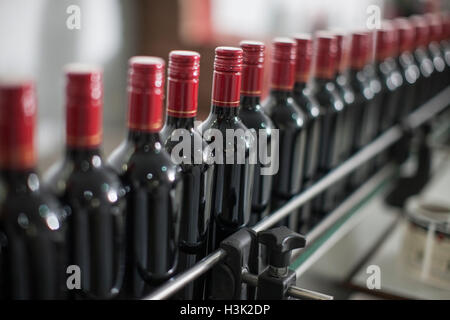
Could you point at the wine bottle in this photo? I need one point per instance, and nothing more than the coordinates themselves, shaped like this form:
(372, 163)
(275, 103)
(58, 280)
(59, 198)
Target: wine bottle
(434, 51)
(445, 43)
(314, 116)
(182, 98)
(152, 182)
(90, 190)
(325, 91)
(423, 60)
(233, 172)
(33, 257)
(289, 119)
(254, 117)
(404, 34)
(360, 118)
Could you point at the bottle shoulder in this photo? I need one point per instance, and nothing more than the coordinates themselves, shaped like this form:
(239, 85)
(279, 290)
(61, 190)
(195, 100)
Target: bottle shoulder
(256, 118)
(285, 112)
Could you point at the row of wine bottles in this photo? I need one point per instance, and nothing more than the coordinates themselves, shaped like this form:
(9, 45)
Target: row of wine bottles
(119, 228)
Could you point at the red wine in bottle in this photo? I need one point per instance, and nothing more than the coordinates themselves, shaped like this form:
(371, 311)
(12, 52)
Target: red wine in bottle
(182, 98)
(404, 35)
(233, 172)
(152, 182)
(91, 191)
(33, 256)
(289, 119)
(314, 116)
(434, 51)
(360, 117)
(253, 116)
(325, 91)
(423, 60)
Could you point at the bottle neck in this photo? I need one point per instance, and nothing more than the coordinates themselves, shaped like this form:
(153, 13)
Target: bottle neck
(280, 95)
(224, 112)
(20, 180)
(78, 155)
(139, 137)
(178, 123)
(250, 102)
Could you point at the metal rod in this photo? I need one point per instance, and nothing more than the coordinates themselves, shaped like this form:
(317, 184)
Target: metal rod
(418, 117)
(183, 278)
(301, 293)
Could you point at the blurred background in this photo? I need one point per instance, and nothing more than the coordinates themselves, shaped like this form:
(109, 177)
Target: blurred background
(36, 40)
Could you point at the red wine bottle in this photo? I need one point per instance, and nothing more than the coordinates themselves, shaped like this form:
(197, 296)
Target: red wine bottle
(33, 256)
(253, 116)
(434, 51)
(90, 190)
(360, 117)
(289, 119)
(404, 34)
(314, 116)
(152, 182)
(423, 60)
(445, 44)
(182, 98)
(325, 91)
(233, 172)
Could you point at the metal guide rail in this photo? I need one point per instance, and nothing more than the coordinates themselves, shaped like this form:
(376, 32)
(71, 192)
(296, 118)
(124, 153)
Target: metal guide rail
(420, 116)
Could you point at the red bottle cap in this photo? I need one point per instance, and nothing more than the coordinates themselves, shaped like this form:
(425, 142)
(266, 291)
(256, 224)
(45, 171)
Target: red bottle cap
(385, 42)
(283, 64)
(227, 77)
(182, 86)
(145, 93)
(84, 106)
(435, 27)
(406, 34)
(252, 67)
(343, 51)
(359, 50)
(325, 55)
(303, 57)
(17, 121)
(421, 30)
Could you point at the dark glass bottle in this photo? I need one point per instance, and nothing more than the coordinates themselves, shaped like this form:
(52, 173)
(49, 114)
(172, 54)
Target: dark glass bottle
(445, 44)
(152, 182)
(325, 91)
(404, 35)
(91, 192)
(182, 93)
(360, 118)
(434, 51)
(314, 116)
(233, 170)
(33, 257)
(423, 60)
(290, 121)
(253, 116)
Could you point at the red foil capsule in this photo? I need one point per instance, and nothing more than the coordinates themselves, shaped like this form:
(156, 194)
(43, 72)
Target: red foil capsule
(182, 84)
(303, 57)
(406, 35)
(252, 67)
(226, 87)
(435, 27)
(145, 93)
(343, 51)
(17, 122)
(325, 55)
(422, 30)
(385, 38)
(359, 51)
(283, 64)
(84, 106)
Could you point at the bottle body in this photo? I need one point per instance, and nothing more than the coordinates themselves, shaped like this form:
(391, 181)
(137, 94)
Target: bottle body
(94, 198)
(196, 202)
(153, 194)
(254, 117)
